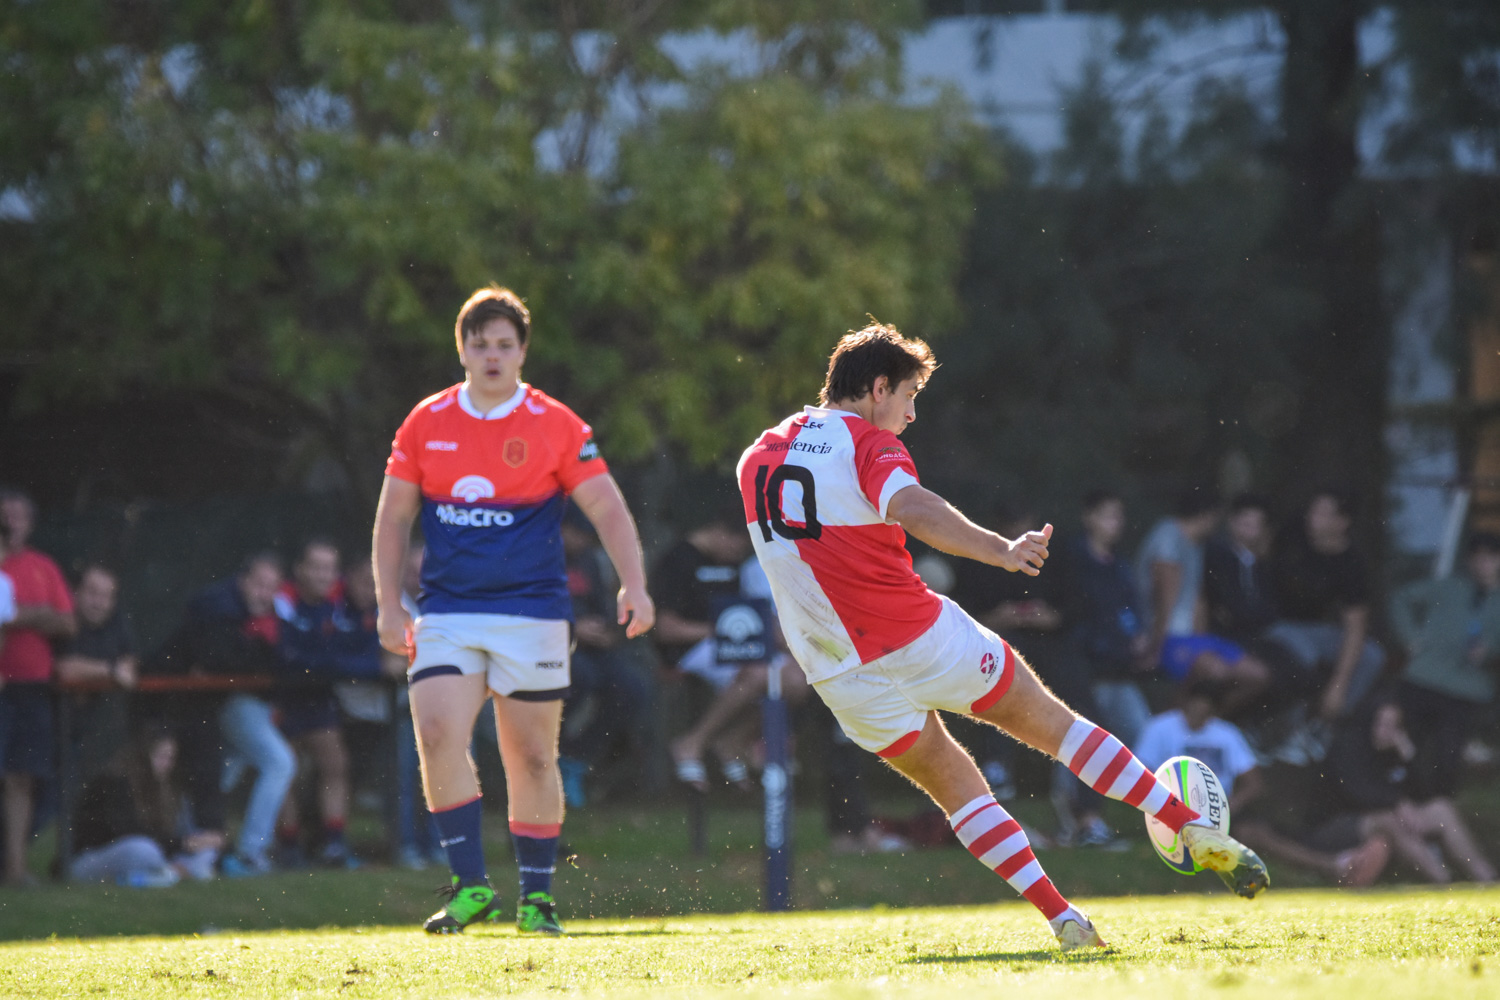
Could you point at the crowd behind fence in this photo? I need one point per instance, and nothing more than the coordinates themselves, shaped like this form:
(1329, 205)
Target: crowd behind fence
(243, 742)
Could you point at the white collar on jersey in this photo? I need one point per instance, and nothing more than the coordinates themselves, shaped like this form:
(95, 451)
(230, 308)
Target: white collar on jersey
(824, 411)
(503, 410)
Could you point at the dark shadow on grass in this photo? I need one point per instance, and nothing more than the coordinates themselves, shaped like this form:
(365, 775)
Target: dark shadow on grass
(998, 957)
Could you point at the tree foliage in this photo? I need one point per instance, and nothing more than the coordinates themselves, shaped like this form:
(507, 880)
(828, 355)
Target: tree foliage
(279, 206)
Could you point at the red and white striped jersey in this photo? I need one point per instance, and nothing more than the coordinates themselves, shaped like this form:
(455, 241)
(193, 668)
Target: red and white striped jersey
(815, 489)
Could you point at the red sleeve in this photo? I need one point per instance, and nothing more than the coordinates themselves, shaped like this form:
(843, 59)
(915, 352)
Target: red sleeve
(884, 466)
(405, 450)
(580, 454)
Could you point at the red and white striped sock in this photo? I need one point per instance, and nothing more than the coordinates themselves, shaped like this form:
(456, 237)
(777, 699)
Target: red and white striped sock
(987, 830)
(1109, 768)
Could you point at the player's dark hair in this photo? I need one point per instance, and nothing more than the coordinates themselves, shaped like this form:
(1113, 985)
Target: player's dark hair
(1094, 499)
(492, 302)
(862, 356)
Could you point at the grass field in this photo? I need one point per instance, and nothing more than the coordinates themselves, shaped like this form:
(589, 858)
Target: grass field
(1333, 946)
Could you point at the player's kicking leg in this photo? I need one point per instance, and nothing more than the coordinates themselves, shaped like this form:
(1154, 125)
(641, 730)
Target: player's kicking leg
(444, 706)
(1033, 714)
(945, 771)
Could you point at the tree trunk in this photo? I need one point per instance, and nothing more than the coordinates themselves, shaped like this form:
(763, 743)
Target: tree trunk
(1332, 236)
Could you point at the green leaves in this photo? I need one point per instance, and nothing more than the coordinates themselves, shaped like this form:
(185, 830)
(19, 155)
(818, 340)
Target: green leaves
(286, 205)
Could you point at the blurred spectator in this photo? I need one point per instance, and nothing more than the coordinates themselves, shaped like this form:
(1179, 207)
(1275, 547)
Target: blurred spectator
(1369, 770)
(43, 615)
(1323, 594)
(1451, 630)
(609, 697)
(1026, 611)
(417, 840)
(231, 628)
(1193, 730)
(1237, 574)
(1170, 572)
(321, 643)
(688, 580)
(1105, 643)
(103, 651)
(132, 826)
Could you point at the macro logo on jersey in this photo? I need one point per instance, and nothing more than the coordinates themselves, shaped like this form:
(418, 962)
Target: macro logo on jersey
(494, 486)
(471, 488)
(515, 452)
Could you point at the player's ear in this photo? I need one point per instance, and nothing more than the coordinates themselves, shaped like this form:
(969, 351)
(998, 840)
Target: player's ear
(881, 385)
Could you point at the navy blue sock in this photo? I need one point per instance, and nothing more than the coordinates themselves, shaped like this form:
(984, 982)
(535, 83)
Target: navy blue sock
(536, 856)
(459, 828)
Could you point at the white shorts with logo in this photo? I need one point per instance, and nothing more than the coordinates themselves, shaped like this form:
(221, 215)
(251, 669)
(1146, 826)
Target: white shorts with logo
(522, 658)
(957, 665)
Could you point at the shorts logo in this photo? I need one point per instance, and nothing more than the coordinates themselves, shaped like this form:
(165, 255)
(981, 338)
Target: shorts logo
(988, 665)
(549, 664)
(471, 488)
(514, 452)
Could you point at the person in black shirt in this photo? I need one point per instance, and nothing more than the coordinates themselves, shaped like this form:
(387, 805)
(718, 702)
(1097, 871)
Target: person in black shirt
(1368, 769)
(1322, 591)
(130, 826)
(690, 580)
(104, 650)
(1237, 582)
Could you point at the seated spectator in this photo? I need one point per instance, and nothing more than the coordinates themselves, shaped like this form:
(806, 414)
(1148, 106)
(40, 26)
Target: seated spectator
(103, 651)
(608, 698)
(700, 570)
(1193, 730)
(231, 628)
(43, 615)
(322, 642)
(1451, 631)
(1237, 585)
(1368, 767)
(1170, 572)
(131, 826)
(1323, 594)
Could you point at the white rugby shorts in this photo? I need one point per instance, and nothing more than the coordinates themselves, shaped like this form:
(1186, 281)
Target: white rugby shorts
(523, 658)
(957, 665)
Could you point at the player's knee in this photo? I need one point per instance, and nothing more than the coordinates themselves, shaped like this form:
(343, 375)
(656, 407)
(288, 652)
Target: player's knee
(437, 734)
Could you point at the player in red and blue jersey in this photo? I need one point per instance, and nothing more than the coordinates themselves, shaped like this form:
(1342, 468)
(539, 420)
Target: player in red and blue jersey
(489, 466)
(829, 494)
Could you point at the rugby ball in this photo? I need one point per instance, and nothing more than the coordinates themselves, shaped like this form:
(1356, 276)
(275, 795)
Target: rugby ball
(1195, 783)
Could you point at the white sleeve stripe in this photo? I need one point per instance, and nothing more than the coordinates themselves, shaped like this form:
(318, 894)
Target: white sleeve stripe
(898, 480)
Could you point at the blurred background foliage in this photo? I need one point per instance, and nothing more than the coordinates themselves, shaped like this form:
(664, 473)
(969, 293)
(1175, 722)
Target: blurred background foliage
(237, 232)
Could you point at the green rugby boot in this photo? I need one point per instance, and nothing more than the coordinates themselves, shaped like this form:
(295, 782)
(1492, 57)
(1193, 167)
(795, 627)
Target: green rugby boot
(1240, 868)
(466, 905)
(536, 913)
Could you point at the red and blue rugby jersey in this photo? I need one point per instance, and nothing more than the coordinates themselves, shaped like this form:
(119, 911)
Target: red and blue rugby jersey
(493, 489)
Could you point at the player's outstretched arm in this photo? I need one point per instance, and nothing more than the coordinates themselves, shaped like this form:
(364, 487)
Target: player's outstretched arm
(399, 503)
(938, 523)
(603, 504)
